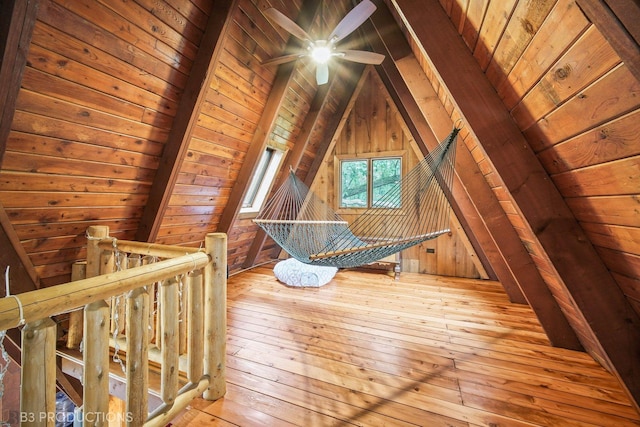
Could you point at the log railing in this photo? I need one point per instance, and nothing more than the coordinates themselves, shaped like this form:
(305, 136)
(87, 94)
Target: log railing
(191, 287)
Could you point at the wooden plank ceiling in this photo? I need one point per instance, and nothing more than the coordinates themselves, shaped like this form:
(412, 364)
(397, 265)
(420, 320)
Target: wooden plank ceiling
(149, 117)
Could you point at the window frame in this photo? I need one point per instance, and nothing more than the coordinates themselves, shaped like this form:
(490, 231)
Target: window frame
(262, 180)
(370, 157)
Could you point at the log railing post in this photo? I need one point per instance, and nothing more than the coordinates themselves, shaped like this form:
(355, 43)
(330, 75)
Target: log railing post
(215, 311)
(96, 341)
(38, 389)
(94, 234)
(96, 364)
(183, 320)
(137, 332)
(195, 318)
(74, 335)
(170, 345)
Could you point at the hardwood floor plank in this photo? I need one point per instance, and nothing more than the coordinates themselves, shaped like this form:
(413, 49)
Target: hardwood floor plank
(367, 350)
(196, 418)
(352, 376)
(551, 391)
(393, 365)
(318, 410)
(578, 386)
(244, 411)
(393, 412)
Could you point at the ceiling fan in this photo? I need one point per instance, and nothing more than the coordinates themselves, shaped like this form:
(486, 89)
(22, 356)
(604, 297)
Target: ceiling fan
(321, 51)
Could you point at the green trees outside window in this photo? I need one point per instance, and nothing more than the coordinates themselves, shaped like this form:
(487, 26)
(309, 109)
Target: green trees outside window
(366, 183)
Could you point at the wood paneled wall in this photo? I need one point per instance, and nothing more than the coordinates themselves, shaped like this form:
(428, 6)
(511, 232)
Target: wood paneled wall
(375, 126)
(98, 97)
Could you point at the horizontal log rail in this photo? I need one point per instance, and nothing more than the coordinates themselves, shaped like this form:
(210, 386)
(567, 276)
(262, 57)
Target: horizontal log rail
(148, 249)
(63, 298)
(192, 331)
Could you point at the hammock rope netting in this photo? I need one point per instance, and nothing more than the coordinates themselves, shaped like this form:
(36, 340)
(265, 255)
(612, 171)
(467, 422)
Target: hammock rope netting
(307, 228)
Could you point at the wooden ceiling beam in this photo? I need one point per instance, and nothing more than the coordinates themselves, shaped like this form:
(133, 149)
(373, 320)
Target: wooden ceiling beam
(475, 204)
(17, 19)
(23, 278)
(186, 118)
(606, 319)
(265, 125)
(393, 45)
(23, 275)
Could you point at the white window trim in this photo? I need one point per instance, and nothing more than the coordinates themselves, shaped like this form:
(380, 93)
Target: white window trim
(267, 181)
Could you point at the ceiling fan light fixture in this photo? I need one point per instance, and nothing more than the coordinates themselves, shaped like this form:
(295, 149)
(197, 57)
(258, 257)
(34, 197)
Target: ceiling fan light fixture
(321, 52)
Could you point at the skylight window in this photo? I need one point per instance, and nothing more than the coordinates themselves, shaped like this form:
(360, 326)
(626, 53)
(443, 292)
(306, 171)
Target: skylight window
(262, 179)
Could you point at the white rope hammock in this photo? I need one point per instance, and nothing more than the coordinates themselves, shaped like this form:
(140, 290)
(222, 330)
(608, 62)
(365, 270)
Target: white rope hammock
(312, 232)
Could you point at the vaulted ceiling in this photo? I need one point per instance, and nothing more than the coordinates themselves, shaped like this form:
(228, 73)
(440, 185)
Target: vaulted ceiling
(150, 117)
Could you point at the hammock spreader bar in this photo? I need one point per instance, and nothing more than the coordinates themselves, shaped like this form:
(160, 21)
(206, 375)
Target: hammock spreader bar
(312, 232)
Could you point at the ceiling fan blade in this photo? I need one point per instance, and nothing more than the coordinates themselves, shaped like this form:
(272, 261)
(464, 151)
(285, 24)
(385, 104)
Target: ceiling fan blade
(322, 73)
(282, 20)
(352, 20)
(361, 56)
(282, 59)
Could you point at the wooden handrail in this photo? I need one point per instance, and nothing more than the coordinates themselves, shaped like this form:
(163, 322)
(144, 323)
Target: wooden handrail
(47, 302)
(149, 249)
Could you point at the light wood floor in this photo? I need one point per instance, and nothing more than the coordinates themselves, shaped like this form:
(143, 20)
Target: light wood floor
(370, 351)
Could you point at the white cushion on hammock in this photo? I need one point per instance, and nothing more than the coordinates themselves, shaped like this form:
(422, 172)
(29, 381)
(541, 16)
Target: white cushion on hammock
(295, 273)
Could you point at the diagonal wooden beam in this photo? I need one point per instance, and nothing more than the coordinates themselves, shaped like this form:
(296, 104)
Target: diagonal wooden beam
(23, 278)
(320, 100)
(293, 160)
(602, 316)
(335, 127)
(395, 47)
(17, 19)
(186, 118)
(22, 272)
(386, 38)
(265, 125)
(475, 203)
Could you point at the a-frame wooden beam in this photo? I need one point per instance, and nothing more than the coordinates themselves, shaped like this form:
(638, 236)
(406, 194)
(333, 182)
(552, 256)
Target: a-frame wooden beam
(265, 125)
(17, 19)
(23, 275)
(607, 321)
(320, 101)
(474, 202)
(23, 278)
(393, 45)
(186, 118)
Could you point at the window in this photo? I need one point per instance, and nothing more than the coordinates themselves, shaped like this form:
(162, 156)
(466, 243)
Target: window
(366, 183)
(261, 181)
(354, 184)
